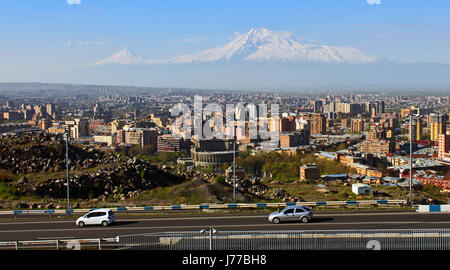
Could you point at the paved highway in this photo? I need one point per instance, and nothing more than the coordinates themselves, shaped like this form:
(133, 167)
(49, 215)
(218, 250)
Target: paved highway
(25, 228)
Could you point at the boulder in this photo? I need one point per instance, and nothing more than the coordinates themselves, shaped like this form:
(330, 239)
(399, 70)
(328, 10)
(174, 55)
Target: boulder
(34, 206)
(21, 205)
(22, 180)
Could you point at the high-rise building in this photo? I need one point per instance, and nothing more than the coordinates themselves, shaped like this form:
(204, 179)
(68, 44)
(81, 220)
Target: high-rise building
(50, 109)
(28, 114)
(98, 111)
(415, 130)
(82, 126)
(356, 126)
(301, 124)
(339, 107)
(318, 124)
(120, 136)
(345, 123)
(380, 107)
(374, 108)
(287, 124)
(438, 124)
(444, 146)
(13, 115)
(318, 106)
(77, 128)
(39, 109)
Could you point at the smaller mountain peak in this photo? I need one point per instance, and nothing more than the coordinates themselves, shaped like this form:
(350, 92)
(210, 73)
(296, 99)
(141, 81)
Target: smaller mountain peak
(124, 56)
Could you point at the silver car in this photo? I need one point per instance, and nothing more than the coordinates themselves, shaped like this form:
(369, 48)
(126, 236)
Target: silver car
(292, 213)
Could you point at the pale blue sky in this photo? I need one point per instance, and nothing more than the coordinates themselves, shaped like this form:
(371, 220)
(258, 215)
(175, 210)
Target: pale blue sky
(48, 36)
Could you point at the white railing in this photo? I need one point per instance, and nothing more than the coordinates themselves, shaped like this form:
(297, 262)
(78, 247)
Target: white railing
(379, 239)
(74, 244)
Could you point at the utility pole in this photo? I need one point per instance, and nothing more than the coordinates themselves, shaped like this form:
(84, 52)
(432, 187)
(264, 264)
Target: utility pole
(67, 167)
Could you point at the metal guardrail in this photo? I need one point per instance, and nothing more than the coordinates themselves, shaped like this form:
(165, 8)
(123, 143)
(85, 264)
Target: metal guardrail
(74, 244)
(414, 239)
(213, 206)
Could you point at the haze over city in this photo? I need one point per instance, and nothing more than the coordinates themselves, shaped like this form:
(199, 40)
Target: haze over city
(226, 44)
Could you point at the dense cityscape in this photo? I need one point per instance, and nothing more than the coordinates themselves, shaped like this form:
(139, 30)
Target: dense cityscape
(364, 140)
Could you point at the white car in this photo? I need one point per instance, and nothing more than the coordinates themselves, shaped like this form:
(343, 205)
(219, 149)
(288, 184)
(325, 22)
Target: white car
(96, 217)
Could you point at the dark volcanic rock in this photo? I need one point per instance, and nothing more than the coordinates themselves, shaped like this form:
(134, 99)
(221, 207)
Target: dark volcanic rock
(261, 191)
(43, 153)
(124, 179)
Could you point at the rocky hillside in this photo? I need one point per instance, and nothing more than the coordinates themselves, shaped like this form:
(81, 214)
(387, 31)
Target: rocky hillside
(118, 178)
(262, 191)
(120, 181)
(45, 153)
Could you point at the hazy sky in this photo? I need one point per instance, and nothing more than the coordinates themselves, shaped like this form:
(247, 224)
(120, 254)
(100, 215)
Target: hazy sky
(51, 36)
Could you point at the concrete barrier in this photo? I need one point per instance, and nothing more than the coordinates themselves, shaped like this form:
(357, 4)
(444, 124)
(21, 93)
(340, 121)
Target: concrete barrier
(444, 208)
(216, 206)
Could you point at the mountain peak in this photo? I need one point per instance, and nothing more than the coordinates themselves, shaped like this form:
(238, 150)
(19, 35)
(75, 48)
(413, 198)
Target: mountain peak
(264, 45)
(256, 34)
(124, 56)
(257, 45)
(259, 30)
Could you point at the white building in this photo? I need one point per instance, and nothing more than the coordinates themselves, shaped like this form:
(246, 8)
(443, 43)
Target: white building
(362, 189)
(110, 140)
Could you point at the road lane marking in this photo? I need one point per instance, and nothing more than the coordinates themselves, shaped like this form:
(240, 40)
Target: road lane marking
(54, 238)
(112, 228)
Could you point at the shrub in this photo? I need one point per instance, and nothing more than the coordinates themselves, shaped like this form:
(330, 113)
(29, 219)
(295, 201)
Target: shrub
(220, 179)
(8, 192)
(5, 176)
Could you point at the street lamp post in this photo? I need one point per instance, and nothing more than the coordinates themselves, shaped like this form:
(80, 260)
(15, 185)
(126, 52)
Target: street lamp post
(234, 169)
(410, 159)
(212, 231)
(67, 167)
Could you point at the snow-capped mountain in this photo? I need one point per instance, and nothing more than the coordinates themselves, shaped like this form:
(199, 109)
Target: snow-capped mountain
(124, 57)
(258, 45)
